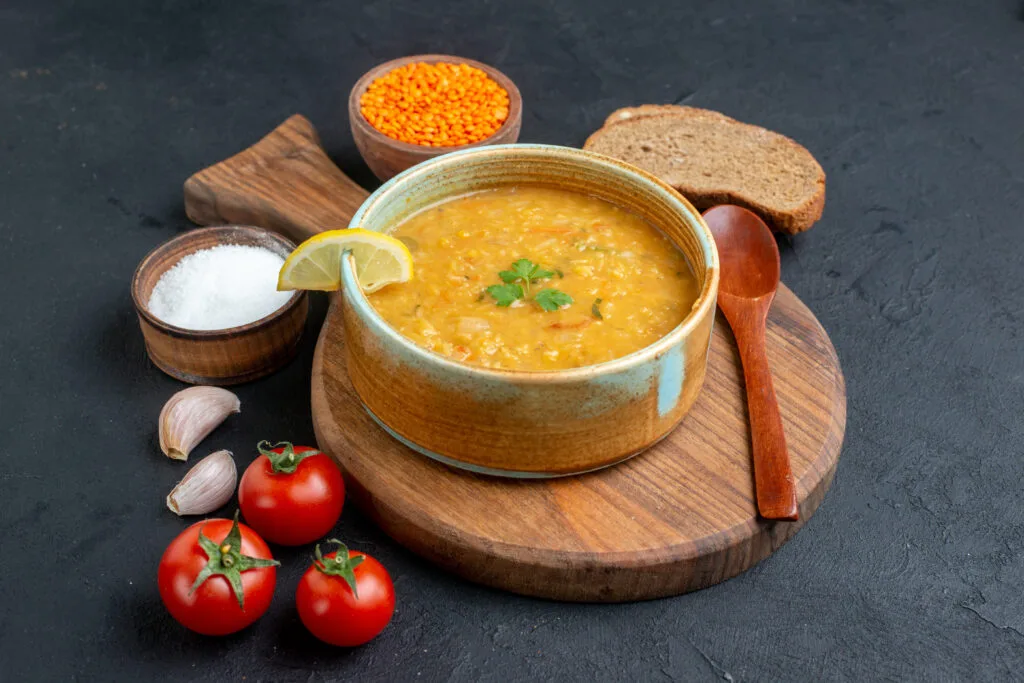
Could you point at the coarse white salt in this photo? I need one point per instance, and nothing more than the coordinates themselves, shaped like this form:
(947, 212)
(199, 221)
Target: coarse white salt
(224, 286)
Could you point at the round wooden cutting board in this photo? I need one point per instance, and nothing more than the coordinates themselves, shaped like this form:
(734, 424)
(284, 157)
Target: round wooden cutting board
(679, 517)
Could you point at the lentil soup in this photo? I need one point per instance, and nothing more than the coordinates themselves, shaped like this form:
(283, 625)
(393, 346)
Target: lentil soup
(535, 278)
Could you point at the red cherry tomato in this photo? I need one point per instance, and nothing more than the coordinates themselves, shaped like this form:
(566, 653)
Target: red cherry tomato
(291, 495)
(332, 610)
(212, 607)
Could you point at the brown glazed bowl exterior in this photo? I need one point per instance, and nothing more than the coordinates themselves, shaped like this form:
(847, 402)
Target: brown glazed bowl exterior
(386, 156)
(218, 357)
(530, 424)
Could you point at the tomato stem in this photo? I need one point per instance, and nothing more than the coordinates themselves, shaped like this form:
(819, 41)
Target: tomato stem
(227, 560)
(285, 462)
(340, 565)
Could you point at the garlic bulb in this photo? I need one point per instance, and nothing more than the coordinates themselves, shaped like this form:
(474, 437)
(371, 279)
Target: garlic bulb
(206, 487)
(190, 415)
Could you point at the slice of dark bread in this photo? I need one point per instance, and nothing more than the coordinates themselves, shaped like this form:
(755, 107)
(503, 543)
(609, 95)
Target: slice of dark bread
(712, 159)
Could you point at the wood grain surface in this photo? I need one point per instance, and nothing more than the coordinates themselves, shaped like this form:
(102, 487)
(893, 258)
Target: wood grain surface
(679, 517)
(676, 518)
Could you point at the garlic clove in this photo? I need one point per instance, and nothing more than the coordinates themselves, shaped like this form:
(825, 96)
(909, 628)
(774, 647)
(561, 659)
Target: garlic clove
(190, 415)
(206, 487)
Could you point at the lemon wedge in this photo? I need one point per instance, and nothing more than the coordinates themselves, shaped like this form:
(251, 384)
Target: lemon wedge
(380, 260)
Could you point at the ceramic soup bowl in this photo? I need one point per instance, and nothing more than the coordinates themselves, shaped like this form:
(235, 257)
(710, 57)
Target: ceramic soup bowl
(530, 424)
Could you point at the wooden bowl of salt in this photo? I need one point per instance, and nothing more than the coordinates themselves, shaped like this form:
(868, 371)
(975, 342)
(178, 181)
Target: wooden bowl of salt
(209, 308)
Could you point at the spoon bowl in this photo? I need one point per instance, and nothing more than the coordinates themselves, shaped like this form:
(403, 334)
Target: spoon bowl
(746, 250)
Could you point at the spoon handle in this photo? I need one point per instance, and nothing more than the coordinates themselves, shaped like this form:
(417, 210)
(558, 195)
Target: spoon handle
(285, 183)
(773, 479)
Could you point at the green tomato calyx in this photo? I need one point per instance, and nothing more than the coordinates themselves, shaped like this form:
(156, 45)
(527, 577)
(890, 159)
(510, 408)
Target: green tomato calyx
(285, 462)
(340, 565)
(226, 559)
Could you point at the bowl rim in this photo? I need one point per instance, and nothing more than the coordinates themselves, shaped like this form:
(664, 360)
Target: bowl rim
(142, 308)
(704, 305)
(356, 118)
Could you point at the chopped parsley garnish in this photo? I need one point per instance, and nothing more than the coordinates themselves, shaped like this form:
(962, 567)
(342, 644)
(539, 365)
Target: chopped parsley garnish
(517, 286)
(595, 308)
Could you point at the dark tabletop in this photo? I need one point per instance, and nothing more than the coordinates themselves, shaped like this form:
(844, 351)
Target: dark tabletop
(911, 569)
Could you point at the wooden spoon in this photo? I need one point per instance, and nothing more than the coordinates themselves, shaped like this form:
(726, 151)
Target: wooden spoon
(749, 277)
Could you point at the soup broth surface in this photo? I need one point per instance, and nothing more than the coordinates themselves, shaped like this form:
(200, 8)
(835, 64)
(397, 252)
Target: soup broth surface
(629, 285)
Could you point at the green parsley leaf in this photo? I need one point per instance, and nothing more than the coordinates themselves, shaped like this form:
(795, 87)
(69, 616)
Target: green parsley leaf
(552, 299)
(521, 270)
(595, 308)
(524, 271)
(504, 295)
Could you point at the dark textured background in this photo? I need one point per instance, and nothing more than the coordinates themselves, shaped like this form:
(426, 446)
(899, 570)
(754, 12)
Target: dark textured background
(912, 568)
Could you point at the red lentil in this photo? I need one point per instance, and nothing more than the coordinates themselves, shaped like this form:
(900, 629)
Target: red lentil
(435, 105)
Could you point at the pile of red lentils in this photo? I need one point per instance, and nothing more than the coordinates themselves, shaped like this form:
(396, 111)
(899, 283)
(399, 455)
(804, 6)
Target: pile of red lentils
(435, 105)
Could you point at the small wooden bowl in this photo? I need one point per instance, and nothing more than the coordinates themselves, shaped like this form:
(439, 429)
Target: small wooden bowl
(219, 357)
(387, 157)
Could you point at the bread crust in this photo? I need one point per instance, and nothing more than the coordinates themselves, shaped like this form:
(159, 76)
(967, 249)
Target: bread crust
(646, 110)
